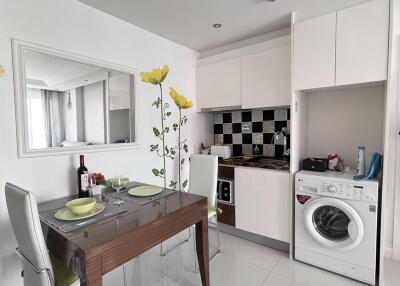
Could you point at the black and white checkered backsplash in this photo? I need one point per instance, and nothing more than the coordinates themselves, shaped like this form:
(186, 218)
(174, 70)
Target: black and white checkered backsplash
(244, 130)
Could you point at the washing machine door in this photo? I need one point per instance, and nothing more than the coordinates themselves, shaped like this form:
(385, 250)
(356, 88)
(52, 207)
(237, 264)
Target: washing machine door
(333, 223)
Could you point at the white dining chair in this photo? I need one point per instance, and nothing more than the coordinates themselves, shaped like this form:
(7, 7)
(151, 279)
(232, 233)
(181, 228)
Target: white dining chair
(39, 269)
(203, 175)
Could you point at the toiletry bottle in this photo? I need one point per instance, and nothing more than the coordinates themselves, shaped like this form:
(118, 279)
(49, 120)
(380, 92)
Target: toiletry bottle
(361, 161)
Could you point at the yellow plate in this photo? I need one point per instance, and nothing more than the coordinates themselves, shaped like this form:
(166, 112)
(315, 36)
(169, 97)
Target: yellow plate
(145, 191)
(66, 214)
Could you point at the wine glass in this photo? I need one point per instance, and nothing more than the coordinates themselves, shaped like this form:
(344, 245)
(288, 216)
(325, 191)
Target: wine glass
(118, 184)
(91, 184)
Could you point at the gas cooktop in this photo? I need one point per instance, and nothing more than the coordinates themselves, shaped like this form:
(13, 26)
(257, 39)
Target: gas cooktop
(256, 162)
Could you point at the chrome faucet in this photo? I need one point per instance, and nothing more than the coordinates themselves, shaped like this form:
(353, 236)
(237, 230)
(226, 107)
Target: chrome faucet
(285, 131)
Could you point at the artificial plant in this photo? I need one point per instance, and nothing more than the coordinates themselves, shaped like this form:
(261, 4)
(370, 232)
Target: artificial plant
(156, 77)
(182, 103)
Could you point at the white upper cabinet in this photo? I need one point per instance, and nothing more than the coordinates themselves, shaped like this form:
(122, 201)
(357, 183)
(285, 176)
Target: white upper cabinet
(266, 78)
(218, 84)
(119, 90)
(314, 52)
(362, 43)
(347, 47)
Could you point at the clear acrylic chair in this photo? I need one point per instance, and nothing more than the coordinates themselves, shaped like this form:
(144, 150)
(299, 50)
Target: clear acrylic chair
(203, 177)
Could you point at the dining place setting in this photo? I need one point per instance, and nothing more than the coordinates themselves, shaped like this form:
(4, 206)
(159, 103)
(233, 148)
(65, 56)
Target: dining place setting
(81, 212)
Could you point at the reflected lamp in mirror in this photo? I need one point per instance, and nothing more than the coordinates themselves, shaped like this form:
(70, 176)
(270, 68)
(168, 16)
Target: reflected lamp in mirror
(66, 103)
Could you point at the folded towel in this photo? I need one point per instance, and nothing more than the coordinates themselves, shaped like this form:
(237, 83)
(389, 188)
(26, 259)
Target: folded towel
(374, 169)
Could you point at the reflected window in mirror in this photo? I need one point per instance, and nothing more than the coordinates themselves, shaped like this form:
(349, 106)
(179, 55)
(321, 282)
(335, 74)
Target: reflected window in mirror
(72, 104)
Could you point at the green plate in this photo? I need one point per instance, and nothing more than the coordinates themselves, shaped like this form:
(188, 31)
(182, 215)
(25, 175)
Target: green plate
(145, 191)
(66, 214)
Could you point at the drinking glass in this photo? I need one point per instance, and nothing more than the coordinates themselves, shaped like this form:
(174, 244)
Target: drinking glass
(118, 184)
(92, 185)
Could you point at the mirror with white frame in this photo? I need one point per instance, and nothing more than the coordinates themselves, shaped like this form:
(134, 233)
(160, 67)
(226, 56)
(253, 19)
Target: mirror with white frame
(66, 103)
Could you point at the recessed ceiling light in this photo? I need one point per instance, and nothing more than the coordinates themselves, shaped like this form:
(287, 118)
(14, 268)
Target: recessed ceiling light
(217, 25)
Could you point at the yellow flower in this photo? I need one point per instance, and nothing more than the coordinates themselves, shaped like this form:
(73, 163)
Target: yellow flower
(156, 76)
(180, 100)
(2, 71)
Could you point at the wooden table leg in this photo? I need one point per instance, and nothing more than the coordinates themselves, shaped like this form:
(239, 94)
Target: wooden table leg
(202, 249)
(91, 271)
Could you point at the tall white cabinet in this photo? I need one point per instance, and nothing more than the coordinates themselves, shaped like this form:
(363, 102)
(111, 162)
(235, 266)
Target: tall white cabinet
(314, 52)
(346, 47)
(362, 43)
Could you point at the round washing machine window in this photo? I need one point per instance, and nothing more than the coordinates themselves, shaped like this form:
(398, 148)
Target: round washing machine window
(333, 223)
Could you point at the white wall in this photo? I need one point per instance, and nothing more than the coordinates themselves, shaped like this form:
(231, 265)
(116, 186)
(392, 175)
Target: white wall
(119, 124)
(80, 128)
(97, 35)
(391, 191)
(69, 113)
(339, 121)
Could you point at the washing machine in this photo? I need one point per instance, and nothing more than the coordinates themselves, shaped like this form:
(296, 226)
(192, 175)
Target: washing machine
(336, 223)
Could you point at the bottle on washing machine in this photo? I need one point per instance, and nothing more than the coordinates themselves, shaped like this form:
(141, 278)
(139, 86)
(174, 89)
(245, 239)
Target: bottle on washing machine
(361, 161)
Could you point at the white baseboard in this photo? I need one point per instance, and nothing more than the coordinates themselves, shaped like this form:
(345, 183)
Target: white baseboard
(387, 252)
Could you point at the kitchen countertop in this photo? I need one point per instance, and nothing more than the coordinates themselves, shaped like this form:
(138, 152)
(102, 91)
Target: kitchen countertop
(260, 162)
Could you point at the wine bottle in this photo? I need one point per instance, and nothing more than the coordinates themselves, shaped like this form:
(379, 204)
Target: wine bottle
(83, 178)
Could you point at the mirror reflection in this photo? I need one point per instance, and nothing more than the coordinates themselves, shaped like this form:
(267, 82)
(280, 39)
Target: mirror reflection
(70, 104)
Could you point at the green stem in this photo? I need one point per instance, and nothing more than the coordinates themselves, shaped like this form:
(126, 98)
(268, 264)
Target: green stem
(163, 136)
(179, 148)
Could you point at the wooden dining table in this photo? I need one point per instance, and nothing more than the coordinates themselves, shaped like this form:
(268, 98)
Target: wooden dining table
(98, 248)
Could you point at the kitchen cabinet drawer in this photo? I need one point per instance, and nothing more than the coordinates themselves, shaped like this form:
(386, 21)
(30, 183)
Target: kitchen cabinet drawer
(314, 52)
(228, 214)
(219, 84)
(362, 43)
(226, 172)
(262, 201)
(266, 78)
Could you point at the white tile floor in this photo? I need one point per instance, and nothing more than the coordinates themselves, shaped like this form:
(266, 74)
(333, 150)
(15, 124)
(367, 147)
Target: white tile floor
(391, 272)
(241, 263)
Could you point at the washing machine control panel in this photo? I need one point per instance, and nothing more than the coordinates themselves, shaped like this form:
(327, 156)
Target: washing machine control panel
(341, 190)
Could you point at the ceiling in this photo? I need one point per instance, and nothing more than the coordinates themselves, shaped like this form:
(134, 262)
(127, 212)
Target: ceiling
(189, 22)
(50, 72)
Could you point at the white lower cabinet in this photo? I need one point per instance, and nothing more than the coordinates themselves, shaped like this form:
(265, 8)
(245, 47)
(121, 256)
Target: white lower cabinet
(262, 200)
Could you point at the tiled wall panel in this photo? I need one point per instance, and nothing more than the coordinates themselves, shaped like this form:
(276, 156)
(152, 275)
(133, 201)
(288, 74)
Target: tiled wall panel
(249, 132)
